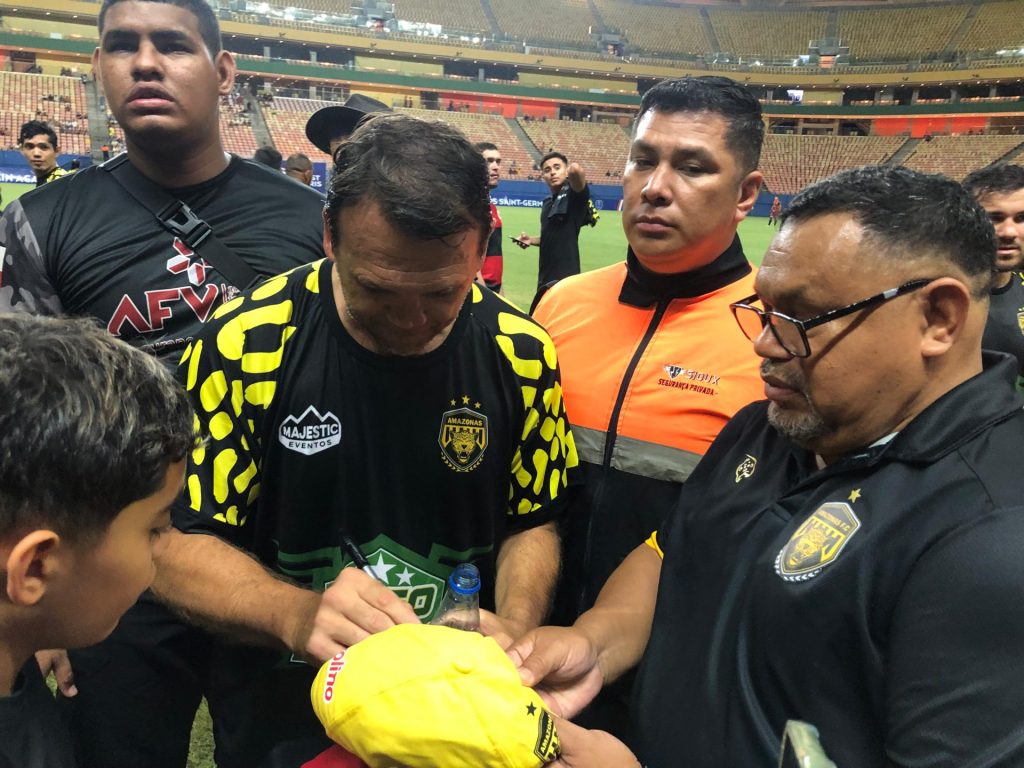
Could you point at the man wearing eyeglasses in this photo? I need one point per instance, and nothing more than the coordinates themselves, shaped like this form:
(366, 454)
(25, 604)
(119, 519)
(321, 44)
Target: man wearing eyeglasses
(847, 553)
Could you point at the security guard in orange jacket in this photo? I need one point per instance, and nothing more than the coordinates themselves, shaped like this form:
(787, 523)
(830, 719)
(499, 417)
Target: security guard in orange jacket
(652, 363)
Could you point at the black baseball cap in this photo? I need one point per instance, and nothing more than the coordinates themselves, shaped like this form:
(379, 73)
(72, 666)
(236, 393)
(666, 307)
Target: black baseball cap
(331, 122)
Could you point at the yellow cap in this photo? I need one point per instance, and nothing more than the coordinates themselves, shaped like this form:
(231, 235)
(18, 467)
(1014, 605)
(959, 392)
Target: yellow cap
(424, 696)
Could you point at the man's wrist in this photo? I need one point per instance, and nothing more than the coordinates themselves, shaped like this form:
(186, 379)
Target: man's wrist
(295, 624)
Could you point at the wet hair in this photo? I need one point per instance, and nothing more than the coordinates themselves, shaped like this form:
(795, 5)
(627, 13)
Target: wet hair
(908, 214)
(549, 155)
(88, 425)
(428, 179)
(269, 157)
(998, 178)
(717, 95)
(34, 128)
(209, 28)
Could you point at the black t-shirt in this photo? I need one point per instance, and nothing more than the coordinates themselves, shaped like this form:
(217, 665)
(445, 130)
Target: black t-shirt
(561, 218)
(32, 734)
(84, 246)
(1004, 331)
(878, 599)
(425, 461)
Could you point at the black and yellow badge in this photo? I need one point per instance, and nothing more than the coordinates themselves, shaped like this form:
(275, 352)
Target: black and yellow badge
(463, 438)
(817, 542)
(746, 468)
(548, 748)
(1020, 321)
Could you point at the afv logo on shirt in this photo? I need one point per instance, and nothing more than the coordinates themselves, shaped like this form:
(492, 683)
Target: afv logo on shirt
(311, 432)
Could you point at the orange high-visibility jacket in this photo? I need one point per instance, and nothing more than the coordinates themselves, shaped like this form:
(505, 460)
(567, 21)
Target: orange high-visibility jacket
(652, 368)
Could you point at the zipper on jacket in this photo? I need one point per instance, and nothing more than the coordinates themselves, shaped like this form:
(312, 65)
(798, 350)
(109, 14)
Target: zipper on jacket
(609, 444)
(613, 423)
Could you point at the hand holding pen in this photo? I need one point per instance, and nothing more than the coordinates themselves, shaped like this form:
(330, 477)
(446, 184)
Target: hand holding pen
(352, 608)
(349, 546)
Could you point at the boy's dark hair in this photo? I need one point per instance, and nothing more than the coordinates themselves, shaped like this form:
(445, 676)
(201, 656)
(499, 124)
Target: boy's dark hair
(34, 128)
(717, 95)
(999, 178)
(88, 425)
(428, 180)
(486, 146)
(908, 215)
(549, 155)
(209, 27)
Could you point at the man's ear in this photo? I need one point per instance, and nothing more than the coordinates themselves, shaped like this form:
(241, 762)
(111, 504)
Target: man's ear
(750, 188)
(30, 565)
(328, 239)
(96, 66)
(945, 303)
(224, 63)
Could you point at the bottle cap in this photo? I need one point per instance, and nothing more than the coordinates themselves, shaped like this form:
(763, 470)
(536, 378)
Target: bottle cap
(465, 579)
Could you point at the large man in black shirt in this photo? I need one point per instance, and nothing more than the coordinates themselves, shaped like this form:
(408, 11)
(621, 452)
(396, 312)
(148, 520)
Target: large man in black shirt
(85, 246)
(999, 189)
(848, 552)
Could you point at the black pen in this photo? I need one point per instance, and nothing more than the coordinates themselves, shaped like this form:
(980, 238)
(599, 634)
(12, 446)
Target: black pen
(357, 555)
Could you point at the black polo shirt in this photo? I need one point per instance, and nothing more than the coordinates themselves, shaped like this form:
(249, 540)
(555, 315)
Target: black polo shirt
(561, 217)
(879, 598)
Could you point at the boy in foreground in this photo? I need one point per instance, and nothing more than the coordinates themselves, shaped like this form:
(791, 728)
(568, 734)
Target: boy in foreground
(93, 439)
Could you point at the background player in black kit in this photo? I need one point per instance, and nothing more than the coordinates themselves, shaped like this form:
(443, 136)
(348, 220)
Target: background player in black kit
(999, 189)
(382, 392)
(85, 246)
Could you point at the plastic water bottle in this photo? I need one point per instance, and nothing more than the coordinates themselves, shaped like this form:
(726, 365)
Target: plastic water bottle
(460, 607)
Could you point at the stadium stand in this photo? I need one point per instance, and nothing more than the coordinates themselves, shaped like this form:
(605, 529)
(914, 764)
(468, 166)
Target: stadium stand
(601, 148)
(286, 118)
(899, 33)
(236, 130)
(956, 156)
(657, 29)
(451, 14)
(789, 163)
(996, 25)
(766, 33)
(545, 23)
(478, 128)
(60, 101)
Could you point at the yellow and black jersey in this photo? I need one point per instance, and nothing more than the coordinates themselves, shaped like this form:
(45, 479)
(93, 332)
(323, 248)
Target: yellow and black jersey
(425, 461)
(53, 175)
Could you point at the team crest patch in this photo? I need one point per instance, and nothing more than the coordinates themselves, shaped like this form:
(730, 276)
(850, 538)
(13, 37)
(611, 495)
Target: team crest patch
(463, 438)
(1020, 321)
(547, 747)
(817, 542)
(746, 468)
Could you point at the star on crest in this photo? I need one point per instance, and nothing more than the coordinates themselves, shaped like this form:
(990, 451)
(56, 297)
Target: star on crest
(531, 709)
(855, 494)
(380, 568)
(465, 399)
